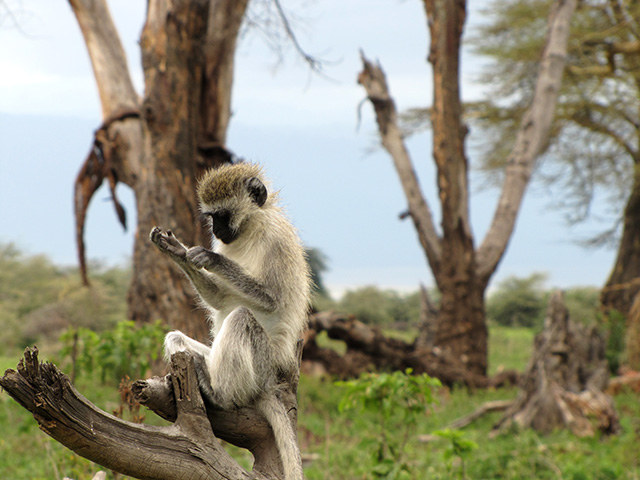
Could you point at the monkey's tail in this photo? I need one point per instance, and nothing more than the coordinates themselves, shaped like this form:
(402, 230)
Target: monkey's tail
(285, 437)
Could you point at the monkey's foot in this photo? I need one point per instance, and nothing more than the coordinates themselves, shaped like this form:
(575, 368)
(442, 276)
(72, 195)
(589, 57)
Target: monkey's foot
(200, 257)
(168, 243)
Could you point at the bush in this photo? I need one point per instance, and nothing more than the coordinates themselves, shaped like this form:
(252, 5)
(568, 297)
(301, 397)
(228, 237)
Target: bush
(398, 400)
(125, 350)
(518, 302)
(39, 299)
(583, 304)
(373, 306)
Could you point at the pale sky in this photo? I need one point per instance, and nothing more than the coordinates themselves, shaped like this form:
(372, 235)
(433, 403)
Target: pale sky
(303, 128)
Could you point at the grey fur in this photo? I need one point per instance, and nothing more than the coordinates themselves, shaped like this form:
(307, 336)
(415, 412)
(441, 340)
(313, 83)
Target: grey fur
(256, 290)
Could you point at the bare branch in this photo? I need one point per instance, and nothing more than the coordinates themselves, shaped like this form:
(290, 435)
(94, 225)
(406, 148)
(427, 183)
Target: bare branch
(373, 79)
(531, 138)
(107, 55)
(314, 63)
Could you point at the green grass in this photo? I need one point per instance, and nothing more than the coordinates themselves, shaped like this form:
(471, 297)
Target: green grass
(509, 348)
(344, 443)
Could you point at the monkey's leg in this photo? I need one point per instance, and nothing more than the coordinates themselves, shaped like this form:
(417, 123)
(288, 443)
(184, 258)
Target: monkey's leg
(241, 370)
(177, 341)
(240, 363)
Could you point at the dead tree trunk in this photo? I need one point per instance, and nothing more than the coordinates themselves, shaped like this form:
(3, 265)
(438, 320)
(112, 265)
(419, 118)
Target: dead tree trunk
(368, 350)
(461, 271)
(188, 449)
(159, 144)
(565, 380)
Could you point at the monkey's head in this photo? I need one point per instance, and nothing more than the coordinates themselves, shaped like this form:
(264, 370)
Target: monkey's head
(229, 195)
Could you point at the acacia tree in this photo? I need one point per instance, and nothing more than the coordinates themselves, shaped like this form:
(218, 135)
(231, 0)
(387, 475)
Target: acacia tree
(594, 146)
(462, 271)
(160, 143)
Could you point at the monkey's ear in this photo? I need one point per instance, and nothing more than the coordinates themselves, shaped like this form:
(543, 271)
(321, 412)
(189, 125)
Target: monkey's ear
(257, 190)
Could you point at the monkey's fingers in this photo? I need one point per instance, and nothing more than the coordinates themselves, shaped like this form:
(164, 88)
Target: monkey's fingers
(200, 257)
(167, 243)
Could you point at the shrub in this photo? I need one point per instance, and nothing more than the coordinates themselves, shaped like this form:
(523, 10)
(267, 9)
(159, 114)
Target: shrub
(374, 306)
(518, 302)
(398, 400)
(124, 350)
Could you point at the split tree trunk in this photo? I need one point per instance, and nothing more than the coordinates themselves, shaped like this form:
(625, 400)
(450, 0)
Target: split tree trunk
(461, 271)
(188, 449)
(159, 145)
(565, 381)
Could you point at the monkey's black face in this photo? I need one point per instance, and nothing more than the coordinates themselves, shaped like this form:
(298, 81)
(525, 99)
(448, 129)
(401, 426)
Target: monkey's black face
(221, 228)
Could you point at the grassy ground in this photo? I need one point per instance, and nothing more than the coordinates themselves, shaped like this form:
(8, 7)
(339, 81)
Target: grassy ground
(344, 444)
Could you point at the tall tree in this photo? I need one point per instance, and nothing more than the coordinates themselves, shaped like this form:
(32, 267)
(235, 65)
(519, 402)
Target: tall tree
(594, 147)
(462, 271)
(159, 144)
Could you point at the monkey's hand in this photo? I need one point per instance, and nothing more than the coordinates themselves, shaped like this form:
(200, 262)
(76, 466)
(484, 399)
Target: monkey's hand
(168, 243)
(200, 257)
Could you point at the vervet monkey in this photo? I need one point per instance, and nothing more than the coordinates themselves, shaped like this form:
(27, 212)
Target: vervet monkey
(255, 285)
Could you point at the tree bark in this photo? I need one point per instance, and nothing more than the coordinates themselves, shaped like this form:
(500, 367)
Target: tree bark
(187, 449)
(160, 144)
(623, 284)
(461, 271)
(565, 381)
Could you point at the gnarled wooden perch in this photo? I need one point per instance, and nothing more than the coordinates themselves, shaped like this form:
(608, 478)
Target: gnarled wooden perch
(187, 449)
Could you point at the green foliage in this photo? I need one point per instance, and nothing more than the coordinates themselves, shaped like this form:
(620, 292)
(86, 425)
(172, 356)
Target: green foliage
(583, 304)
(518, 302)
(344, 443)
(318, 265)
(374, 306)
(459, 447)
(615, 324)
(398, 400)
(126, 349)
(39, 299)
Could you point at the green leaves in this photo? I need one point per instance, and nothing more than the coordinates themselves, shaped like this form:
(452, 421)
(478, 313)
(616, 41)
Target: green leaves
(124, 350)
(459, 445)
(389, 394)
(399, 400)
(459, 448)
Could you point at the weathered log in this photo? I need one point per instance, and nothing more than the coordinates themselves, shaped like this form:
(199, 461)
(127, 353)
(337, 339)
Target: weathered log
(187, 449)
(564, 384)
(487, 407)
(629, 380)
(369, 349)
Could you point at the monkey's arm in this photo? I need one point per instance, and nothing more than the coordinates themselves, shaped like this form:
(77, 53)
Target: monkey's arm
(168, 244)
(234, 276)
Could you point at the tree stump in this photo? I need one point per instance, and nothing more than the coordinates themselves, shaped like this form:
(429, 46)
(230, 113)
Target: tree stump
(564, 384)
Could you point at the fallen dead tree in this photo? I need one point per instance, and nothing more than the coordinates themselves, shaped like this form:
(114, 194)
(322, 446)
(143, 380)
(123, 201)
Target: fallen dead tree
(368, 349)
(189, 448)
(565, 382)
